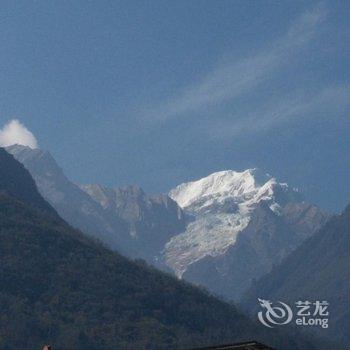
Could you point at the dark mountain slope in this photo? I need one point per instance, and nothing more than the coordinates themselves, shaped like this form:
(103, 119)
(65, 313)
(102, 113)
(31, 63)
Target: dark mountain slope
(16, 181)
(318, 270)
(60, 287)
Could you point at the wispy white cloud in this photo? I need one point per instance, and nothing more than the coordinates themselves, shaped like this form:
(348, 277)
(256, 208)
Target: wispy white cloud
(15, 132)
(322, 105)
(230, 80)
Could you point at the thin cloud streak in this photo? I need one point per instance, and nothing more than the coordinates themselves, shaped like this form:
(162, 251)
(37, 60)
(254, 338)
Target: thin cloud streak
(229, 81)
(322, 105)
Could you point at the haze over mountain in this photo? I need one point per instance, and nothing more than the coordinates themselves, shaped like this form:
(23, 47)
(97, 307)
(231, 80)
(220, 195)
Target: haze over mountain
(151, 219)
(221, 232)
(192, 145)
(62, 288)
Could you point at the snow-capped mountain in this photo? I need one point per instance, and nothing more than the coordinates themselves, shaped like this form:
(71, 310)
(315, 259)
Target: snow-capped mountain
(246, 187)
(222, 231)
(221, 205)
(238, 219)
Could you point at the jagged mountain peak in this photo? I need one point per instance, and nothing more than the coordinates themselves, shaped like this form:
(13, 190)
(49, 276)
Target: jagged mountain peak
(222, 205)
(98, 294)
(215, 213)
(248, 185)
(142, 211)
(114, 197)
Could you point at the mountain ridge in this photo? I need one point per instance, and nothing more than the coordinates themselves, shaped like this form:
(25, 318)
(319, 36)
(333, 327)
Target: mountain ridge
(61, 287)
(192, 230)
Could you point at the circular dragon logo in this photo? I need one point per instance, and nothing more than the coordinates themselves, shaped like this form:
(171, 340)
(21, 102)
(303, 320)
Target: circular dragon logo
(274, 315)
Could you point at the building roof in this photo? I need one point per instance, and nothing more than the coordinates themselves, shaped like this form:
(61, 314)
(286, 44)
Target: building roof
(253, 345)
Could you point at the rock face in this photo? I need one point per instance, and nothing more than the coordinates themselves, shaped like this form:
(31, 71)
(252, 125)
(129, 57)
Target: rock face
(151, 219)
(222, 231)
(243, 223)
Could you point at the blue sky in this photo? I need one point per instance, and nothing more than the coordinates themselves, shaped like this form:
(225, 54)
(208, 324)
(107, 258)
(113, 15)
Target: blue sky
(160, 92)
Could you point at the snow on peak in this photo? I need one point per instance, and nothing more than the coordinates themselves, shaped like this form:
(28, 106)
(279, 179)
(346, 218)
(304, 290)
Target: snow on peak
(242, 186)
(221, 205)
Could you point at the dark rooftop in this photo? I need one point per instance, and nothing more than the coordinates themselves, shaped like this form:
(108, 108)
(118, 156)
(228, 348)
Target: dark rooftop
(253, 345)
